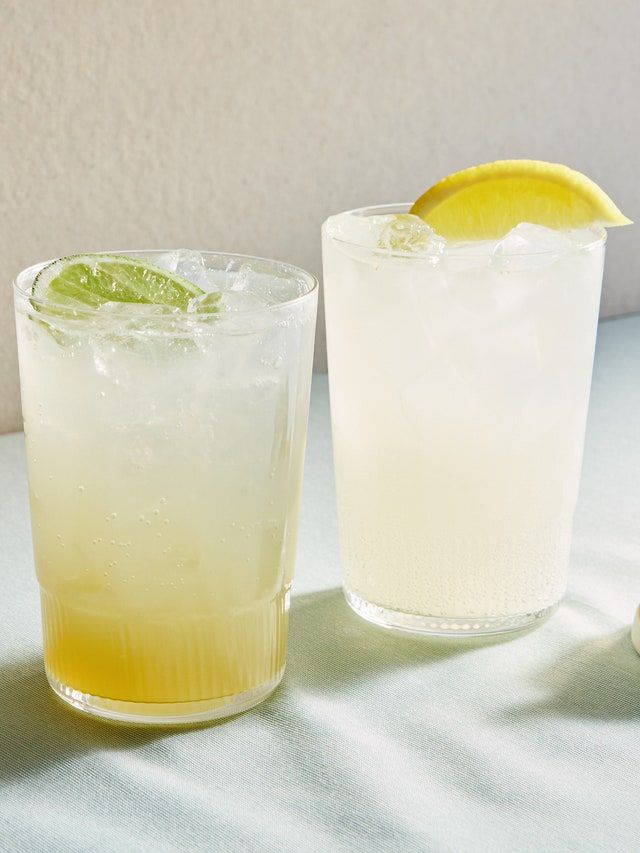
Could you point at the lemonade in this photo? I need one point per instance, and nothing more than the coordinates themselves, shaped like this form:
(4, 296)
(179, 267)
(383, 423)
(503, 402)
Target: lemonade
(459, 376)
(165, 451)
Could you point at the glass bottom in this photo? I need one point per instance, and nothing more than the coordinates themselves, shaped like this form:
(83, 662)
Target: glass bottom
(164, 713)
(414, 623)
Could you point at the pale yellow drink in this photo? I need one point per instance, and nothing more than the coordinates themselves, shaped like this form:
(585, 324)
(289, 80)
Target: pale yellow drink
(459, 379)
(165, 466)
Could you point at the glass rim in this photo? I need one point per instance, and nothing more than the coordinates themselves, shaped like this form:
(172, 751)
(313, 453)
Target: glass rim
(24, 280)
(457, 249)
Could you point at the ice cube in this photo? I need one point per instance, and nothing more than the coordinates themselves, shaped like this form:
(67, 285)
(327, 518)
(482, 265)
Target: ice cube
(581, 237)
(208, 303)
(260, 280)
(391, 232)
(238, 300)
(528, 246)
(469, 255)
(235, 312)
(180, 261)
(407, 233)
(190, 265)
(133, 310)
(361, 231)
(166, 261)
(124, 318)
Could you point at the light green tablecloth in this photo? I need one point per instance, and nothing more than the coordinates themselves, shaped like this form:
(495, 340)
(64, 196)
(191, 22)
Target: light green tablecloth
(373, 741)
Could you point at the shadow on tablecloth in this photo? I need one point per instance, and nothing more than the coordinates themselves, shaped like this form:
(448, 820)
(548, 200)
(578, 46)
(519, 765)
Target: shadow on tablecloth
(37, 732)
(330, 646)
(597, 679)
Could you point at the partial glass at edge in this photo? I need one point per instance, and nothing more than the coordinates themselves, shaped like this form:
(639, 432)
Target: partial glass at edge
(165, 469)
(459, 394)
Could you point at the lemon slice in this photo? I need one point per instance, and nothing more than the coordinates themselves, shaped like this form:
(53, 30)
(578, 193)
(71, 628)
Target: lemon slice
(487, 201)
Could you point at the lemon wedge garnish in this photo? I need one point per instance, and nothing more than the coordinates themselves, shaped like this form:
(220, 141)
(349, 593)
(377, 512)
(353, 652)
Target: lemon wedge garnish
(487, 201)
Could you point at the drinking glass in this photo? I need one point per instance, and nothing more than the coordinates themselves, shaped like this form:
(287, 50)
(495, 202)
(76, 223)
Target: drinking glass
(165, 455)
(459, 378)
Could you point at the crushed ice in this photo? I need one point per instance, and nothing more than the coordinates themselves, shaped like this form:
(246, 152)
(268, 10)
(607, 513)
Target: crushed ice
(252, 286)
(525, 246)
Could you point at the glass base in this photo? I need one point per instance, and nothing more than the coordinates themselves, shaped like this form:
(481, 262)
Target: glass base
(443, 626)
(164, 713)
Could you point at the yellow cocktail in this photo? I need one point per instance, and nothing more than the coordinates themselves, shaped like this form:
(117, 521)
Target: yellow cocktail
(165, 449)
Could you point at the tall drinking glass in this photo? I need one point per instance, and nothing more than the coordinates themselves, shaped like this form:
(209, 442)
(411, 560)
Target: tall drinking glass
(165, 457)
(459, 379)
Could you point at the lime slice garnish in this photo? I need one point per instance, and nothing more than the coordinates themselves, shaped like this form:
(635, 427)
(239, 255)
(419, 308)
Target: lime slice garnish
(487, 201)
(89, 281)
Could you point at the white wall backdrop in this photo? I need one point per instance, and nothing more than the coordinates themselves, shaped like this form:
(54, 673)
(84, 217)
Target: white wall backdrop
(242, 125)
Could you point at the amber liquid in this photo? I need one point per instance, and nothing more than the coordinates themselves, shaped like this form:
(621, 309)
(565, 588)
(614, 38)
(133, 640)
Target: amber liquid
(159, 656)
